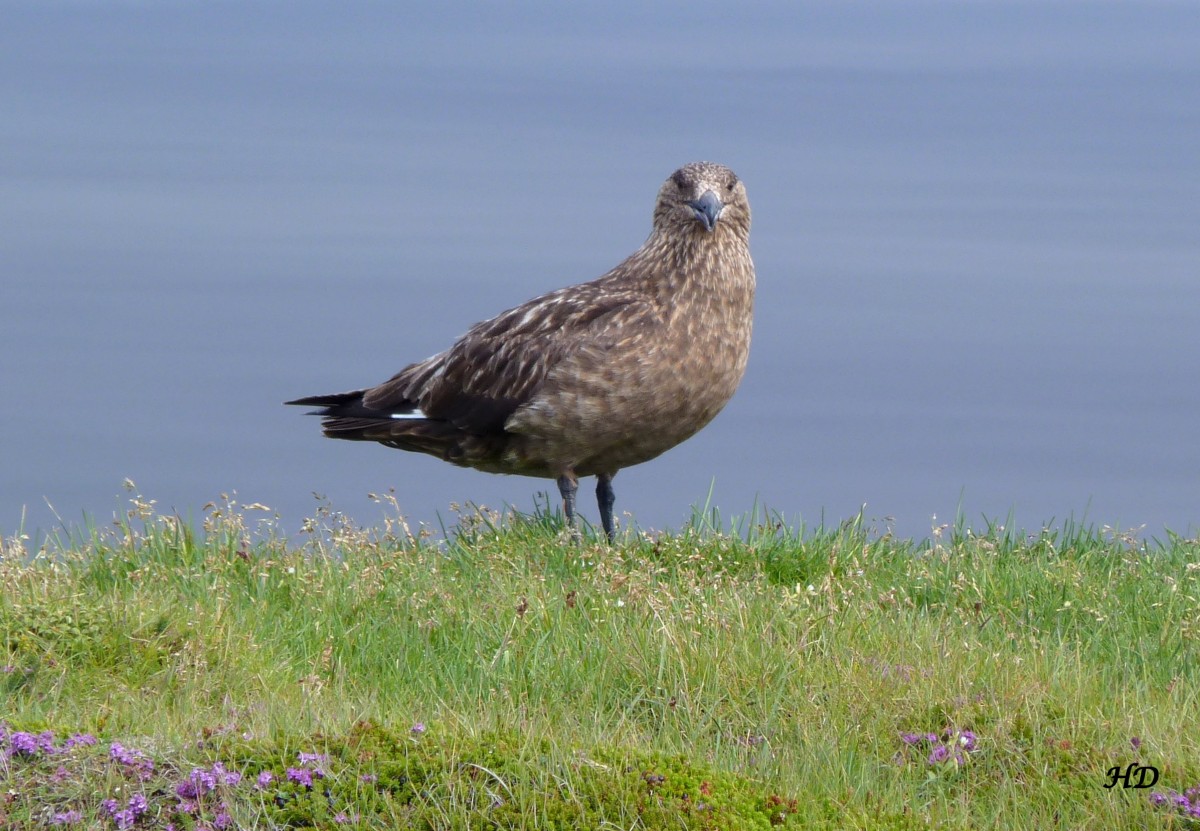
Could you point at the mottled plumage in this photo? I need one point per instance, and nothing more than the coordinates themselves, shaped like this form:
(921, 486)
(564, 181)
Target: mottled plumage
(591, 378)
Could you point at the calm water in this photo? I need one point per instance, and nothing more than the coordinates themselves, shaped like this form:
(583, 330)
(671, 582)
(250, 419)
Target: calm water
(976, 231)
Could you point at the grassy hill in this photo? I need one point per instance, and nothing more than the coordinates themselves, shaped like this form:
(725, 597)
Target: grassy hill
(159, 674)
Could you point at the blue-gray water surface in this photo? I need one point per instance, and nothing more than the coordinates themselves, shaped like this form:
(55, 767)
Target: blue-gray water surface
(976, 228)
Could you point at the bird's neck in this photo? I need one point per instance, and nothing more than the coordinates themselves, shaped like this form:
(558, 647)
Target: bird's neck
(677, 264)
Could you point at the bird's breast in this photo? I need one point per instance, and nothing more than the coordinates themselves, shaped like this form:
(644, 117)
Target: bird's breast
(605, 409)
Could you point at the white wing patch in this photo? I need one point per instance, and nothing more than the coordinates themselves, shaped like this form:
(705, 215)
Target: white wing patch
(413, 414)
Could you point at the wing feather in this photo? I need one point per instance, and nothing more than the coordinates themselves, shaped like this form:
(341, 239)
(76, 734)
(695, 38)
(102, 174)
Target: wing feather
(499, 364)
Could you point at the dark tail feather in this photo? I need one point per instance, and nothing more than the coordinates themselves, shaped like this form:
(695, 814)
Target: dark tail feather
(357, 427)
(347, 405)
(330, 402)
(344, 417)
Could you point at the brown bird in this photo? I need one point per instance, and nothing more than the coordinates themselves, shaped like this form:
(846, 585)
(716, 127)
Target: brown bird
(591, 378)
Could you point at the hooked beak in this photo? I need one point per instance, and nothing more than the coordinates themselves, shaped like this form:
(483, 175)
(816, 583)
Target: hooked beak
(707, 209)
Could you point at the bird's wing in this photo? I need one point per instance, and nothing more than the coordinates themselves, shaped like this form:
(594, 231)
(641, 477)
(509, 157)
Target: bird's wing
(499, 364)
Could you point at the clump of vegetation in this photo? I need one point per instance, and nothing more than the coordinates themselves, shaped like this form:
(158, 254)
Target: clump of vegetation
(156, 674)
(370, 777)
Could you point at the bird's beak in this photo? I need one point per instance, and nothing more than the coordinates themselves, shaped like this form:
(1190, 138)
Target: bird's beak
(707, 209)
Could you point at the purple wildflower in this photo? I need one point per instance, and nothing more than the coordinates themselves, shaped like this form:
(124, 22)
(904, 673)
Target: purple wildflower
(264, 780)
(204, 781)
(132, 759)
(418, 728)
(80, 739)
(368, 777)
(188, 806)
(66, 818)
(341, 818)
(911, 738)
(125, 817)
(307, 759)
(940, 754)
(301, 776)
(222, 820)
(967, 740)
(24, 744)
(1158, 798)
(1136, 742)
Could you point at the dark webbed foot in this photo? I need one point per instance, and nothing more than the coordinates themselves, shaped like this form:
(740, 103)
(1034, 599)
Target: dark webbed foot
(605, 499)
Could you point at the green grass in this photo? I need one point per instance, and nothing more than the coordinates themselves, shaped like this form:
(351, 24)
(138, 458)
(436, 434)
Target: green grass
(753, 678)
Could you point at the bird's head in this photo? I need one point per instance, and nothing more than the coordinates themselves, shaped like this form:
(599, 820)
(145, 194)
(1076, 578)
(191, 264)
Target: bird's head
(702, 197)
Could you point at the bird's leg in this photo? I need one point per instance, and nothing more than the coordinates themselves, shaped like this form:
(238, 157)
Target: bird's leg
(568, 484)
(605, 499)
